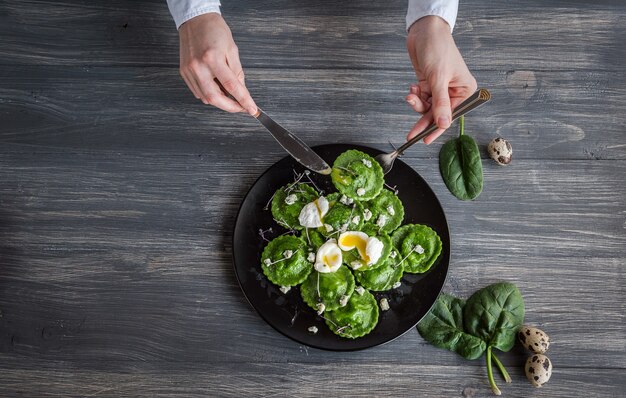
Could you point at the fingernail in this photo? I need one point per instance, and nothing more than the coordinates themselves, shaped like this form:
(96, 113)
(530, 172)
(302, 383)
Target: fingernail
(443, 121)
(252, 111)
(412, 102)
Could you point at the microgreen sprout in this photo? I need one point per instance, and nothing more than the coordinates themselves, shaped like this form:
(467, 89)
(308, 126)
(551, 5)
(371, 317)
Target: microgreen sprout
(346, 170)
(394, 188)
(280, 260)
(262, 233)
(413, 250)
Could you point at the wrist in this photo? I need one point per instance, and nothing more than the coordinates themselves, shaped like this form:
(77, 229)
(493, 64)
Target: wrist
(430, 24)
(205, 18)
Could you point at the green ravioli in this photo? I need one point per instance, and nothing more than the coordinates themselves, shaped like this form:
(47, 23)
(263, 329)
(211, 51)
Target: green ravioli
(383, 277)
(354, 170)
(289, 260)
(281, 270)
(313, 238)
(387, 221)
(332, 286)
(357, 318)
(407, 237)
(340, 214)
(287, 214)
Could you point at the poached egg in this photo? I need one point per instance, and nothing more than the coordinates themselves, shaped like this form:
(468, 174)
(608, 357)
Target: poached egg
(312, 214)
(328, 258)
(370, 248)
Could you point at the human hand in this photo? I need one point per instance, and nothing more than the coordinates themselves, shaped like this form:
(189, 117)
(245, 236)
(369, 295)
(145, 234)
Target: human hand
(208, 55)
(443, 78)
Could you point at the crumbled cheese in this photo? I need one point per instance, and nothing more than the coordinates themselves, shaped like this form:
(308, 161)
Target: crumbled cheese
(356, 264)
(291, 199)
(320, 308)
(288, 253)
(311, 257)
(360, 290)
(344, 227)
(343, 301)
(356, 220)
(267, 261)
(418, 249)
(391, 210)
(346, 200)
(384, 304)
(396, 285)
(367, 162)
(360, 191)
(329, 228)
(393, 254)
(367, 214)
(382, 220)
(312, 329)
(285, 289)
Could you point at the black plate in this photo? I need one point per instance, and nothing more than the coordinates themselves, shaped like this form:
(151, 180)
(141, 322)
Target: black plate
(287, 313)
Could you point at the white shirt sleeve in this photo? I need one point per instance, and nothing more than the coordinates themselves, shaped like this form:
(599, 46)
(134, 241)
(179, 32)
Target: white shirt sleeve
(446, 9)
(184, 10)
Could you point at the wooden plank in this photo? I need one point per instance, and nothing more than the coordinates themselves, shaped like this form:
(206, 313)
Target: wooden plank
(545, 115)
(530, 34)
(256, 379)
(127, 258)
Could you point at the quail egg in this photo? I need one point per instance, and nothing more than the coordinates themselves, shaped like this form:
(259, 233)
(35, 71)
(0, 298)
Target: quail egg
(538, 369)
(534, 339)
(500, 150)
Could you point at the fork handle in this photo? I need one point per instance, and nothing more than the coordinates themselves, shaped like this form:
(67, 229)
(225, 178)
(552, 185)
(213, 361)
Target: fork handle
(474, 101)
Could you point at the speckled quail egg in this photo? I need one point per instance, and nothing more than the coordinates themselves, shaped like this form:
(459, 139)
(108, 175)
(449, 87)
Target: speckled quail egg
(538, 369)
(500, 150)
(536, 340)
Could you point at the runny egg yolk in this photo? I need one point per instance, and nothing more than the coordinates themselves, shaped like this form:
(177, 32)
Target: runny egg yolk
(351, 239)
(331, 260)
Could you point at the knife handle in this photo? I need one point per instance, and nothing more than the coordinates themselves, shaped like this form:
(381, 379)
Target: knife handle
(226, 93)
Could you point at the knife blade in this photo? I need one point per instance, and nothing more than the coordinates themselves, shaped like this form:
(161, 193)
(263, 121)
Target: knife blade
(293, 145)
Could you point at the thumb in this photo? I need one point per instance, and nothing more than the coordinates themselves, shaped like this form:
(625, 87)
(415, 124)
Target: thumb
(442, 112)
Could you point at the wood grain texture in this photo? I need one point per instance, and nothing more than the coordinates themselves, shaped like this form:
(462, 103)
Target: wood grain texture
(297, 379)
(89, 258)
(318, 34)
(545, 115)
(119, 191)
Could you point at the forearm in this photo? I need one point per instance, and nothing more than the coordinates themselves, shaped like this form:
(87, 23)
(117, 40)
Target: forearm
(184, 10)
(446, 9)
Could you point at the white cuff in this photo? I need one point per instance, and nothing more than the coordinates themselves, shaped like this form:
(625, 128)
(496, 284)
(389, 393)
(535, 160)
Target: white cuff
(446, 9)
(183, 10)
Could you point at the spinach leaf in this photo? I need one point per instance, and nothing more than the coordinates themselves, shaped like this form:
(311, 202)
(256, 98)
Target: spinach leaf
(443, 328)
(494, 314)
(461, 167)
(489, 319)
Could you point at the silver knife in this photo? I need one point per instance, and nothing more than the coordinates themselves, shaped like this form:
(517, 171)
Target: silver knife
(293, 145)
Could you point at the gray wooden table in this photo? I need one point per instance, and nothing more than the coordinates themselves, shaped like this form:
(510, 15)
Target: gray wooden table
(118, 193)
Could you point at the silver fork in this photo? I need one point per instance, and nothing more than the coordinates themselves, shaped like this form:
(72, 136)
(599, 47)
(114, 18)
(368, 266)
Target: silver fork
(474, 101)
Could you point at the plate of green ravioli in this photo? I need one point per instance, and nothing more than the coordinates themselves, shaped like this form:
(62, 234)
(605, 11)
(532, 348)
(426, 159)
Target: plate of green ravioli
(341, 262)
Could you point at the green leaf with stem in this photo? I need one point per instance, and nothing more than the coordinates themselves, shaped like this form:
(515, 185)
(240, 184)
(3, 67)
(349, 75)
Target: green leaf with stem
(460, 166)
